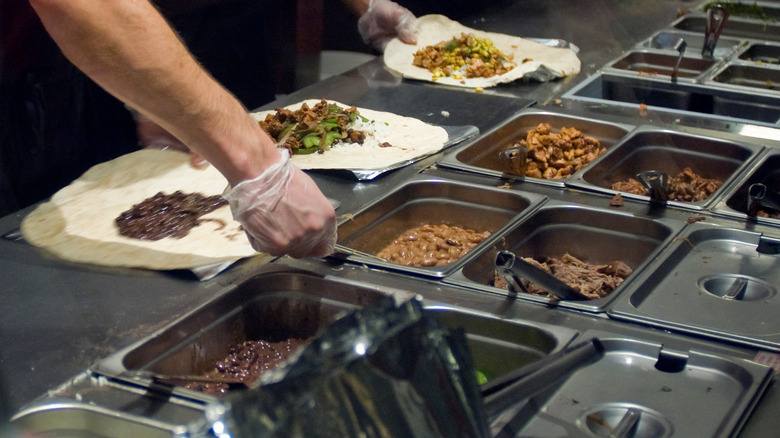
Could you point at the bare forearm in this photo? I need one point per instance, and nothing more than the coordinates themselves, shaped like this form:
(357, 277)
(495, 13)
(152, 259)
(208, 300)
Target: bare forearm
(127, 48)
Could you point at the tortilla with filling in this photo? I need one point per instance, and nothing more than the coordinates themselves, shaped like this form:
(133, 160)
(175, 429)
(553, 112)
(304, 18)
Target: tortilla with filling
(433, 29)
(409, 138)
(77, 223)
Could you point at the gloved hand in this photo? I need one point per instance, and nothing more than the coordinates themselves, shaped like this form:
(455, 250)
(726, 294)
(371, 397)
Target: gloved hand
(385, 19)
(283, 212)
(153, 136)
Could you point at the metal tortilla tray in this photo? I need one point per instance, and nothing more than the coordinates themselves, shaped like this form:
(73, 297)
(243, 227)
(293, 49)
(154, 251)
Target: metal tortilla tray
(712, 281)
(455, 135)
(681, 393)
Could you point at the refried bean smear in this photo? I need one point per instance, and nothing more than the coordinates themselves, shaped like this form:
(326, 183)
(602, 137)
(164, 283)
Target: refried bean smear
(432, 245)
(557, 155)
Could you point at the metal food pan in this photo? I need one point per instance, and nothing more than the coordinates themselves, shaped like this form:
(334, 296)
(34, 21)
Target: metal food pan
(695, 42)
(766, 171)
(595, 236)
(762, 54)
(481, 156)
(69, 419)
(713, 281)
(649, 148)
(426, 200)
(735, 27)
(692, 99)
(499, 346)
(646, 62)
(271, 306)
(668, 392)
(750, 76)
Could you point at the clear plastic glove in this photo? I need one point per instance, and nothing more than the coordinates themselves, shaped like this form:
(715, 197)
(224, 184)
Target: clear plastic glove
(153, 136)
(284, 212)
(384, 20)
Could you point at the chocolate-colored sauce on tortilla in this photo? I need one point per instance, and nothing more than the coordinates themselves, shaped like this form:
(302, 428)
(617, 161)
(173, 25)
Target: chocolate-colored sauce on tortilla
(164, 215)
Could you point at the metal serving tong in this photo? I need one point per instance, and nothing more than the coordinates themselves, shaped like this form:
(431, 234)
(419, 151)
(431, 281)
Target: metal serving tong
(513, 161)
(666, 40)
(717, 15)
(759, 195)
(656, 183)
(512, 268)
(528, 381)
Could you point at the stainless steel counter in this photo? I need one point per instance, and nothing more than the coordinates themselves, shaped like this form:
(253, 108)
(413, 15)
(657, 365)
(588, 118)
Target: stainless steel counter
(58, 318)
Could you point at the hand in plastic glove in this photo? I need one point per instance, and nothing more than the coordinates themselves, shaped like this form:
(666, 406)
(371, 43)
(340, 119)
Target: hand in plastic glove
(152, 136)
(283, 212)
(384, 20)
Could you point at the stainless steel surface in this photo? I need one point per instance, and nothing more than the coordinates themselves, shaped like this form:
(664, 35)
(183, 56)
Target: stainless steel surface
(655, 64)
(694, 43)
(593, 235)
(736, 27)
(682, 99)
(736, 202)
(751, 77)
(69, 419)
(60, 318)
(676, 393)
(762, 53)
(669, 152)
(730, 282)
(273, 306)
(427, 201)
(482, 155)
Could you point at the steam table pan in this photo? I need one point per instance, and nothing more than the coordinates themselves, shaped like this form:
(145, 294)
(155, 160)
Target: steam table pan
(712, 281)
(765, 171)
(482, 155)
(70, 419)
(434, 201)
(594, 236)
(680, 393)
(272, 306)
(648, 148)
(284, 304)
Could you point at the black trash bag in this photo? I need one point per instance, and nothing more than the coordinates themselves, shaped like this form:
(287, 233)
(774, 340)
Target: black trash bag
(383, 371)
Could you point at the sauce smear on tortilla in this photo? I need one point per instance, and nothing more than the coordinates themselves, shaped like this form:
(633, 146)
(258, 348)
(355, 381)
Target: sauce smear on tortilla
(164, 215)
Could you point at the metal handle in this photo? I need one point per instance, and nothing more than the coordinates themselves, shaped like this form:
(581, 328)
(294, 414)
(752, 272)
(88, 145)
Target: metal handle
(513, 266)
(656, 183)
(759, 196)
(717, 16)
(669, 41)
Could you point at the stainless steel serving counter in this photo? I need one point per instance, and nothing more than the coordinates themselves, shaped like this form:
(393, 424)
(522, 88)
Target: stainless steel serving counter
(58, 318)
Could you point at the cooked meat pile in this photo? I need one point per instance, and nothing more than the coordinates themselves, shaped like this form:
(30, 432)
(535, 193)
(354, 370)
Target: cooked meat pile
(686, 186)
(558, 155)
(246, 362)
(593, 281)
(466, 56)
(164, 215)
(313, 129)
(432, 245)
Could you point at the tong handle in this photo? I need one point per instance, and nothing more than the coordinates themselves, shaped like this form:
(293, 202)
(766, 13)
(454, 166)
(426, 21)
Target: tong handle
(759, 195)
(717, 15)
(514, 266)
(656, 183)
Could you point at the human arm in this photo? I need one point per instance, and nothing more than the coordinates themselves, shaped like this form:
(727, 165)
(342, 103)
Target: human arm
(127, 48)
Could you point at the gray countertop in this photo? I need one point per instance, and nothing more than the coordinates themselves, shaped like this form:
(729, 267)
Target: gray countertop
(58, 318)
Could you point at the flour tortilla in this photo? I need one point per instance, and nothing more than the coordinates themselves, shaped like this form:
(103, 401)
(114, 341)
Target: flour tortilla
(410, 138)
(433, 29)
(77, 223)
